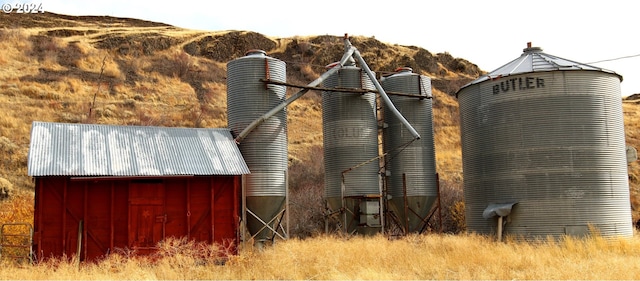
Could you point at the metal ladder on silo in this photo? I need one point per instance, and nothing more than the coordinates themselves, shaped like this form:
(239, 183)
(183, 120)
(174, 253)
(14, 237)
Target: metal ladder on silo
(16, 242)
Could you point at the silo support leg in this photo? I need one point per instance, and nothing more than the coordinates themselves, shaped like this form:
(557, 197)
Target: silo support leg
(266, 224)
(279, 225)
(334, 216)
(499, 231)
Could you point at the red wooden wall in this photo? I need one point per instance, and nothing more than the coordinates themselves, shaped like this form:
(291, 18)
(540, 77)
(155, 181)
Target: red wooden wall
(135, 214)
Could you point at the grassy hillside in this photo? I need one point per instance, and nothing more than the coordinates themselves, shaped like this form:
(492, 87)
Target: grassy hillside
(133, 72)
(631, 109)
(119, 71)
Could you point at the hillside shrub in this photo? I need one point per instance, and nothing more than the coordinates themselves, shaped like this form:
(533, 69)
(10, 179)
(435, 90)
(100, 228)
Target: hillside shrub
(452, 200)
(45, 46)
(306, 188)
(182, 62)
(6, 189)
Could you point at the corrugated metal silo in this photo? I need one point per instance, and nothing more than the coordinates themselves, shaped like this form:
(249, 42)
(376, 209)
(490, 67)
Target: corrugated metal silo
(543, 139)
(350, 134)
(409, 162)
(265, 148)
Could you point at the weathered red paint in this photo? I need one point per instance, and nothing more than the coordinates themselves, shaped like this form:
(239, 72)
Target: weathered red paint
(133, 214)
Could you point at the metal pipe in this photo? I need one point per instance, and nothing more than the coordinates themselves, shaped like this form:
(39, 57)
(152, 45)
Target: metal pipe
(294, 97)
(382, 209)
(406, 204)
(279, 225)
(344, 204)
(286, 200)
(439, 203)
(266, 224)
(499, 232)
(383, 94)
(326, 218)
(343, 90)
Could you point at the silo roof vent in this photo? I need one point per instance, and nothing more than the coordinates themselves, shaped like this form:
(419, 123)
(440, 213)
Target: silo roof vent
(533, 59)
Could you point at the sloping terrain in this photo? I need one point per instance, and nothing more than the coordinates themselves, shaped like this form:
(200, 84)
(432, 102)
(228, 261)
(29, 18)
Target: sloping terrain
(132, 72)
(126, 71)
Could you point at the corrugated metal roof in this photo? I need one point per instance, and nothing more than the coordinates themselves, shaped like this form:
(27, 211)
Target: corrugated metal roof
(60, 149)
(534, 60)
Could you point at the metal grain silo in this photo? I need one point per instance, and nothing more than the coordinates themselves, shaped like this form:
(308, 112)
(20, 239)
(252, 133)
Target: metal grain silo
(409, 162)
(543, 147)
(265, 148)
(350, 136)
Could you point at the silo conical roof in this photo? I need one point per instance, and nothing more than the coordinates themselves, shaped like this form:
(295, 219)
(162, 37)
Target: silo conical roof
(534, 60)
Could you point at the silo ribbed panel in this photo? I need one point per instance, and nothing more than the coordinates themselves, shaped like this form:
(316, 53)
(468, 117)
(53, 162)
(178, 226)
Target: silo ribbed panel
(350, 135)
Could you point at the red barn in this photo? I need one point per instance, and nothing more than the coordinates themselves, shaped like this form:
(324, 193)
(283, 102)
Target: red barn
(99, 188)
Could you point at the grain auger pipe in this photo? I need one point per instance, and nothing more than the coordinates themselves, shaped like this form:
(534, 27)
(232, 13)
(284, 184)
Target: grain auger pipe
(292, 98)
(383, 94)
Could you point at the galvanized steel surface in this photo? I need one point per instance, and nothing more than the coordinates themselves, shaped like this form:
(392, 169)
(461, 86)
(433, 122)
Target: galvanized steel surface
(248, 98)
(60, 149)
(413, 158)
(552, 142)
(350, 135)
(534, 60)
(416, 158)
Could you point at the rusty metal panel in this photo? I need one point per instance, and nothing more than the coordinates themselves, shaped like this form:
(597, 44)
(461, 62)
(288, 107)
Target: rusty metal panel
(60, 149)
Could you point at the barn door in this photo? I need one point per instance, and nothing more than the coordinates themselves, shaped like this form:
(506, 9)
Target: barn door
(147, 217)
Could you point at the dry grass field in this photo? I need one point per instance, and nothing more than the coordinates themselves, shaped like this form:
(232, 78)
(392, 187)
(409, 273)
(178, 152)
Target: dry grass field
(105, 70)
(433, 257)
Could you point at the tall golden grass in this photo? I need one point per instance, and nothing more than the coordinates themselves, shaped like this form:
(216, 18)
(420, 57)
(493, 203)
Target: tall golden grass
(438, 257)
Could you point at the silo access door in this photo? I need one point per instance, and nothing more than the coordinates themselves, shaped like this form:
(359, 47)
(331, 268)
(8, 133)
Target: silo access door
(146, 215)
